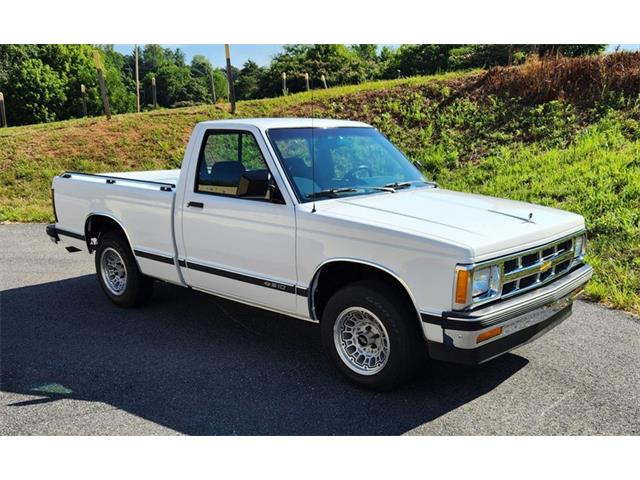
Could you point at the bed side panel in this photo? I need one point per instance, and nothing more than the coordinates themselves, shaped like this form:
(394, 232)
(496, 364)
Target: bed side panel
(144, 211)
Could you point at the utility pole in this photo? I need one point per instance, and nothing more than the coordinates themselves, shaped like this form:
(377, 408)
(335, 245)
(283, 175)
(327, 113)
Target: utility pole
(137, 78)
(306, 80)
(284, 84)
(103, 86)
(83, 93)
(232, 93)
(324, 80)
(3, 113)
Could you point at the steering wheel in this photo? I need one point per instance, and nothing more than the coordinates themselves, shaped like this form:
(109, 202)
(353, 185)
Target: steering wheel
(352, 174)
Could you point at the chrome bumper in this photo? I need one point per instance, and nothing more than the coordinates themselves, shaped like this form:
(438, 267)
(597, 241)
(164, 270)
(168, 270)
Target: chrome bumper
(521, 319)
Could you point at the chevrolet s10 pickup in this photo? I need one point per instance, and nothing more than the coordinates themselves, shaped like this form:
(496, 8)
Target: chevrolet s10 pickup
(327, 221)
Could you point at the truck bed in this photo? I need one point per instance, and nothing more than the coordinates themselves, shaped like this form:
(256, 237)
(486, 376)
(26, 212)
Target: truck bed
(141, 201)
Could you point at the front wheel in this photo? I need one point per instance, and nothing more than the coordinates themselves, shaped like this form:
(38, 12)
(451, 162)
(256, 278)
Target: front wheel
(371, 335)
(118, 273)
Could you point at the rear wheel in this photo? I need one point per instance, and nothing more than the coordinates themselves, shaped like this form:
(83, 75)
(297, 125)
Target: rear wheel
(371, 335)
(118, 272)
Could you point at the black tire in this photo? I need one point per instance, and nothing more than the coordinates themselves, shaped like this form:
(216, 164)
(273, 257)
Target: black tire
(137, 287)
(405, 340)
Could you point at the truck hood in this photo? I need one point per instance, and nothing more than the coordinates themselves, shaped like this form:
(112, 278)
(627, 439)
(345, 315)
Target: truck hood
(487, 226)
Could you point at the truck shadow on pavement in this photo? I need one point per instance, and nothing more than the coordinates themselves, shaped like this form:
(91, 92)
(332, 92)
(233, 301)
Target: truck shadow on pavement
(205, 366)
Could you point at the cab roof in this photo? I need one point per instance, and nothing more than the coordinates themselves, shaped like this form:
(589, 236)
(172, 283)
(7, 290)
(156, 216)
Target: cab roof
(267, 123)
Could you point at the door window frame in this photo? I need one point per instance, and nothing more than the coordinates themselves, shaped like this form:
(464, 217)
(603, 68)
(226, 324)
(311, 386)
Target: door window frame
(221, 131)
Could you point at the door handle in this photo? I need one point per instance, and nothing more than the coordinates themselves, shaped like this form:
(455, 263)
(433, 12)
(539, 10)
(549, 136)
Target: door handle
(195, 204)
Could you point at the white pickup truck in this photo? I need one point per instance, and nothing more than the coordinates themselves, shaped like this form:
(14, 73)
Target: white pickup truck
(326, 221)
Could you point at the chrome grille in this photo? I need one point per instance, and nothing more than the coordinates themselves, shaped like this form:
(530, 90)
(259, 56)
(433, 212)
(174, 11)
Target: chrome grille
(532, 268)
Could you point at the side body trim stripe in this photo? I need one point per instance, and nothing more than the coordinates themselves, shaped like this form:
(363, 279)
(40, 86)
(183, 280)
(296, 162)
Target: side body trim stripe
(282, 287)
(153, 256)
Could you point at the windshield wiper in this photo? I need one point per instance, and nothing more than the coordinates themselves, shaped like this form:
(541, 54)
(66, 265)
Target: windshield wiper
(332, 192)
(399, 185)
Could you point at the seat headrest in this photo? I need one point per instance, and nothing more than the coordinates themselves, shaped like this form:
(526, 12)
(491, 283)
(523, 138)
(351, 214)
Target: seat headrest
(227, 173)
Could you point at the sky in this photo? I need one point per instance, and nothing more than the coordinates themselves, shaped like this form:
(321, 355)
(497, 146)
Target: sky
(261, 53)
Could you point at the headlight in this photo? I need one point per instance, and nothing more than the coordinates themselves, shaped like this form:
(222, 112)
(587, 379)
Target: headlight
(580, 247)
(473, 286)
(486, 282)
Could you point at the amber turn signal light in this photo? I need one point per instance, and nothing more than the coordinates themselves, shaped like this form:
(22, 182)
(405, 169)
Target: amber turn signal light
(462, 286)
(489, 334)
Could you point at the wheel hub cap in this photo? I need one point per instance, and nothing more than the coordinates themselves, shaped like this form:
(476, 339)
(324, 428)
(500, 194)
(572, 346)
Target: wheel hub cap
(361, 340)
(114, 271)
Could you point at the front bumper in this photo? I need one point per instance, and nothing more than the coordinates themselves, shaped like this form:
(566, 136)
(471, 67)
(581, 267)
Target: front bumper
(522, 319)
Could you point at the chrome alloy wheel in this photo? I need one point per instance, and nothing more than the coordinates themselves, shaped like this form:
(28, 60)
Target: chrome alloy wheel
(114, 271)
(361, 340)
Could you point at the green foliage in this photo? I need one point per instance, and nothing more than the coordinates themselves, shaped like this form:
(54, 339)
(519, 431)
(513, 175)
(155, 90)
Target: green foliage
(339, 64)
(422, 59)
(122, 97)
(429, 59)
(36, 90)
(568, 50)
(41, 83)
(250, 79)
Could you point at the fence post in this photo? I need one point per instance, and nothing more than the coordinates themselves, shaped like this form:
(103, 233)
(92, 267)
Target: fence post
(103, 86)
(3, 113)
(306, 79)
(324, 80)
(213, 87)
(153, 92)
(284, 84)
(137, 79)
(83, 94)
(232, 92)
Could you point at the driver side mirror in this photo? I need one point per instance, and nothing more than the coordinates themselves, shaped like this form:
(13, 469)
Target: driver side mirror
(259, 185)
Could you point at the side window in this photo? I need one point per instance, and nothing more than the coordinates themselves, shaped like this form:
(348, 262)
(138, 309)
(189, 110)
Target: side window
(225, 158)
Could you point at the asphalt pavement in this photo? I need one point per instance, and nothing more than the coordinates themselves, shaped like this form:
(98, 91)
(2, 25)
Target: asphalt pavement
(189, 363)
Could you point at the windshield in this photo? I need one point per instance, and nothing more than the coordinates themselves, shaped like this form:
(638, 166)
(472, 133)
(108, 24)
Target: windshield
(348, 161)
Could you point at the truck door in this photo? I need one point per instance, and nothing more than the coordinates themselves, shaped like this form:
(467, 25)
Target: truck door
(239, 247)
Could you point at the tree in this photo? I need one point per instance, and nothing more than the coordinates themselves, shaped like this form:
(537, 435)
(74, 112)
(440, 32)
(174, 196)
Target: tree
(340, 65)
(422, 59)
(153, 56)
(368, 52)
(249, 81)
(36, 93)
(203, 72)
(42, 82)
(573, 50)
(120, 82)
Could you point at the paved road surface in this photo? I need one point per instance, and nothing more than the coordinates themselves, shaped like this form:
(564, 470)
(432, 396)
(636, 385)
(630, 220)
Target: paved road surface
(189, 363)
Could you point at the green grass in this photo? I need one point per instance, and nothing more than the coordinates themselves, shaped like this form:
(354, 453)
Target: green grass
(597, 176)
(586, 160)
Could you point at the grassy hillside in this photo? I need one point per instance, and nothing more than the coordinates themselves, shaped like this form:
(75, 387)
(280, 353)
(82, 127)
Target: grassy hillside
(564, 133)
